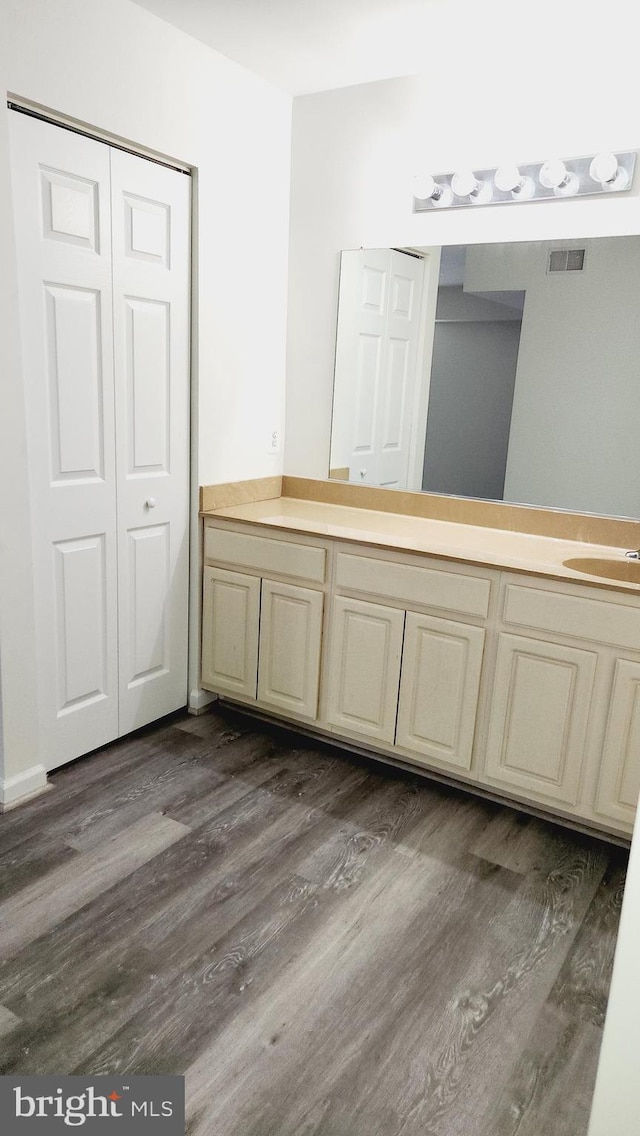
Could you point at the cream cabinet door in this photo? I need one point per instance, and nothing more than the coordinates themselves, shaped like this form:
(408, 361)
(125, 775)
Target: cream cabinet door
(290, 641)
(539, 717)
(364, 668)
(619, 785)
(230, 619)
(441, 664)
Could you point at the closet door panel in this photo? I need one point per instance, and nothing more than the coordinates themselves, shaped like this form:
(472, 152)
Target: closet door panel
(151, 238)
(62, 226)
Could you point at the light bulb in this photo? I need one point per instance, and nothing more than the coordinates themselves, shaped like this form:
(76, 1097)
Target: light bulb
(605, 169)
(445, 198)
(508, 179)
(555, 175)
(464, 183)
(425, 187)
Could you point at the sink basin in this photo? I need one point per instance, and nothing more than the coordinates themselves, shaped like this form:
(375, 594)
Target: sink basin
(626, 570)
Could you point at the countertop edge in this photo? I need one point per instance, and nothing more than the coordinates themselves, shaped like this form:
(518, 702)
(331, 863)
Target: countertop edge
(237, 514)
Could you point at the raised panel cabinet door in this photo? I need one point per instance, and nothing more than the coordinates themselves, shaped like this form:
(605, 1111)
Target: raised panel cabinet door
(63, 243)
(151, 262)
(539, 717)
(619, 785)
(364, 668)
(290, 642)
(230, 619)
(439, 684)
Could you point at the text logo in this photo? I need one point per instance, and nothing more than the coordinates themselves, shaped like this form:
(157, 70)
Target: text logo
(134, 1107)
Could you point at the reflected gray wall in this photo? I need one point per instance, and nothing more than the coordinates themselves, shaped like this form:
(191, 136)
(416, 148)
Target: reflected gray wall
(470, 399)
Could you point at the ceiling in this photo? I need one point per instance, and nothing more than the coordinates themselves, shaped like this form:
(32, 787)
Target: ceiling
(311, 45)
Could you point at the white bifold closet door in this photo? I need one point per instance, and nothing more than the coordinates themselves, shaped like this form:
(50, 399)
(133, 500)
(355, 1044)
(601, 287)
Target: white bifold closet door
(102, 242)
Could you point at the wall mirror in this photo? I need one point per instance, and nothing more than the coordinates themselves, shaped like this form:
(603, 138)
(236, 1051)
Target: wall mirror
(508, 372)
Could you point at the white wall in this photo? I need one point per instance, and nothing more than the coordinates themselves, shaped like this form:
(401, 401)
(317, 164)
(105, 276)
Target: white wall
(498, 85)
(112, 65)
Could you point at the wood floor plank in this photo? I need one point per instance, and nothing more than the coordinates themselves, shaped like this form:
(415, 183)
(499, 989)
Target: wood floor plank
(130, 766)
(151, 774)
(329, 946)
(208, 725)
(514, 840)
(261, 763)
(582, 987)
(137, 994)
(25, 863)
(157, 794)
(490, 1013)
(333, 1003)
(50, 899)
(73, 785)
(246, 960)
(550, 1089)
(244, 951)
(8, 1021)
(208, 863)
(266, 857)
(565, 1042)
(472, 991)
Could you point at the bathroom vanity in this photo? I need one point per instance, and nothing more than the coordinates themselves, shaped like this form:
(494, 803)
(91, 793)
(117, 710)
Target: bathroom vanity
(477, 654)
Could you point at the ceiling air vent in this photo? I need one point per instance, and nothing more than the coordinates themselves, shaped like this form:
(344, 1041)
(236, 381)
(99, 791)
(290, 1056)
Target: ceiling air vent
(566, 260)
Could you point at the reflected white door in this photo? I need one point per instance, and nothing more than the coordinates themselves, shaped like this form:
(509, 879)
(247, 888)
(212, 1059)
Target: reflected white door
(376, 362)
(150, 226)
(63, 215)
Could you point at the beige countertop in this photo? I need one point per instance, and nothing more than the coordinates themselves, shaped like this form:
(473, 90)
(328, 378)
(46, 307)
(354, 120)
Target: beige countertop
(493, 548)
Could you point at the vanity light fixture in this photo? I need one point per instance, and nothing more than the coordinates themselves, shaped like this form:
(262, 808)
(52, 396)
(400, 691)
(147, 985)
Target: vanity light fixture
(534, 181)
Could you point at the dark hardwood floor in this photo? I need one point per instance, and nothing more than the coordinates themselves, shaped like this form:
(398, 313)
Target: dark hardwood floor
(320, 943)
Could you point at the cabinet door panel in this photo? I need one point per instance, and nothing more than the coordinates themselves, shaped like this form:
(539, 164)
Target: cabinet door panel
(441, 664)
(539, 717)
(620, 775)
(290, 639)
(230, 618)
(364, 667)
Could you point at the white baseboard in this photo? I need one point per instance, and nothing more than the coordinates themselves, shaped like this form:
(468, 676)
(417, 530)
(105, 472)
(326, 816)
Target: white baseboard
(200, 699)
(17, 790)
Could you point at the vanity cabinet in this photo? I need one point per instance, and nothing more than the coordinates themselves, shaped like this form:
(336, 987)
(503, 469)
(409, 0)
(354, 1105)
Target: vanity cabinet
(619, 782)
(439, 690)
(230, 625)
(289, 648)
(565, 694)
(262, 636)
(542, 696)
(364, 668)
(401, 675)
(524, 686)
